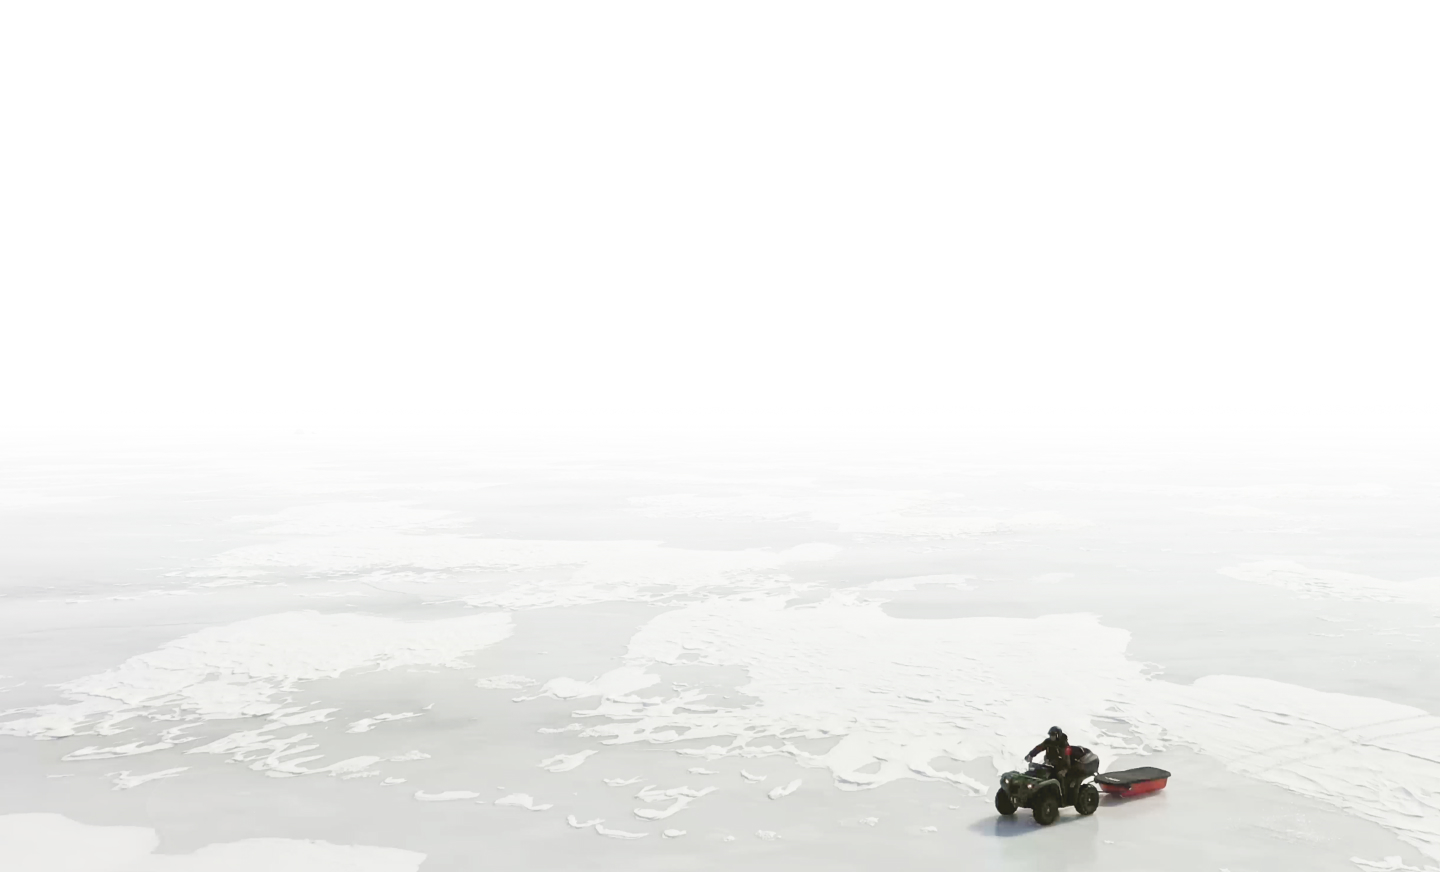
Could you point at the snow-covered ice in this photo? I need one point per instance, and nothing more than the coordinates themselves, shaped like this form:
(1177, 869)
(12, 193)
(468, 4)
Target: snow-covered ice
(886, 642)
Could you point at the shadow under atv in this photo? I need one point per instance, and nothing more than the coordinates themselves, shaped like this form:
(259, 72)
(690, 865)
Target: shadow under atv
(1007, 827)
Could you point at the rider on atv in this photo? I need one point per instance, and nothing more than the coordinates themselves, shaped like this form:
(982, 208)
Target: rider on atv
(1059, 782)
(1057, 755)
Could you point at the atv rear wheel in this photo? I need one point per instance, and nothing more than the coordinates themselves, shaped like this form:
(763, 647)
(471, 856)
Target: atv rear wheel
(1003, 803)
(1047, 810)
(1087, 800)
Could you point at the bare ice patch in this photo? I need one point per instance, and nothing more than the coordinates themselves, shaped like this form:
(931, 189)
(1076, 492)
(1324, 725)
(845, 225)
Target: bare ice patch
(1333, 584)
(1374, 759)
(1236, 512)
(904, 514)
(351, 517)
(237, 670)
(53, 843)
(577, 572)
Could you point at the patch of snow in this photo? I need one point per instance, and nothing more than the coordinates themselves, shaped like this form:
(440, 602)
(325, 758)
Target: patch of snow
(617, 682)
(92, 752)
(654, 794)
(1389, 864)
(365, 725)
(522, 800)
(314, 716)
(955, 582)
(785, 790)
(447, 796)
(504, 682)
(124, 780)
(565, 762)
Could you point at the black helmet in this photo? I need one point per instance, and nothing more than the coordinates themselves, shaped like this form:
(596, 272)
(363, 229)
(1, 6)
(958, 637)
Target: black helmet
(1056, 732)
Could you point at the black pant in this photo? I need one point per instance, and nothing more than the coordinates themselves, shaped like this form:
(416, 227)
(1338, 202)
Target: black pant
(1067, 779)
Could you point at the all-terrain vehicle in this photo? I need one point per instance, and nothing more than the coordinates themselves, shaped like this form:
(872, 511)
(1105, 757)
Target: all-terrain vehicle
(1041, 789)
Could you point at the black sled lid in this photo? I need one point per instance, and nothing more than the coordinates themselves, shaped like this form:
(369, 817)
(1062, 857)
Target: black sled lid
(1125, 777)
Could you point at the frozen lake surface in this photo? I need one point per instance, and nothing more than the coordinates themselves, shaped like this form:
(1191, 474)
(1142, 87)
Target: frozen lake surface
(318, 659)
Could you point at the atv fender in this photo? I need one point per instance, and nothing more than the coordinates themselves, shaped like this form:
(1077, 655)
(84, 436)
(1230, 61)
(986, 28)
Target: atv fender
(1045, 787)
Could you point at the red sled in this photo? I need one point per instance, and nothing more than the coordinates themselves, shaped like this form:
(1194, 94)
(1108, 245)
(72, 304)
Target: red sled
(1133, 782)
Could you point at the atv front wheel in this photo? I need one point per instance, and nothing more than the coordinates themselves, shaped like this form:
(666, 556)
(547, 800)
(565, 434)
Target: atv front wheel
(1047, 810)
(1003, 803)
(1087, 800)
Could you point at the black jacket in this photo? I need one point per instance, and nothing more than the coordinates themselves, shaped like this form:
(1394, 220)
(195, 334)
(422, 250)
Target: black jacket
(1057, 752)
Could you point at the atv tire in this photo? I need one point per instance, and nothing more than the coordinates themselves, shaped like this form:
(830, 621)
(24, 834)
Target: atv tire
(1087, 800)
(1003, 803)
(1046, 809)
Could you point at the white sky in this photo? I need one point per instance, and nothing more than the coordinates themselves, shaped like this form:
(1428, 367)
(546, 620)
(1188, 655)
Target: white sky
(574, 215)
